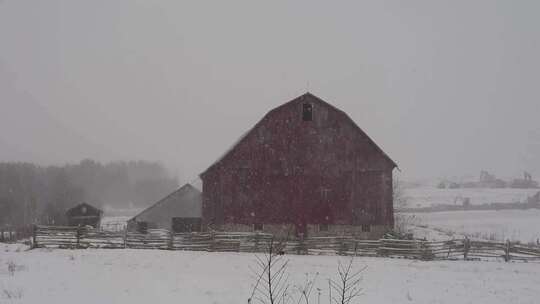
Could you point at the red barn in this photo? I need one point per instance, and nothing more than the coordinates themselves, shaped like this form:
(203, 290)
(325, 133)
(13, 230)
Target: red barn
(304, 168)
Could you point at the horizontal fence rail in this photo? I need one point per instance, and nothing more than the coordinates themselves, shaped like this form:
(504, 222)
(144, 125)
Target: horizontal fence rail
(456, 249)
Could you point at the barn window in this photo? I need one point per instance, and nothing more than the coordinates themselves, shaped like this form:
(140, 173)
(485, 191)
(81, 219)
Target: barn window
(366, 228)
(323, 227)
(142, 227)
(307, 112)
(257, 227)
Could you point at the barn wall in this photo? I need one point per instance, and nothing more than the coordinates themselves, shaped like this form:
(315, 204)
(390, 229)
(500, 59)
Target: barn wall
(287, 170)
(280, 230)
(84, 215)
(284, 230)
(376, 231)
(94, 221)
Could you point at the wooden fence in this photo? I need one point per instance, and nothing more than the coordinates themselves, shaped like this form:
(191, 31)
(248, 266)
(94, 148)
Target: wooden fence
(457, 249)
(12, 234)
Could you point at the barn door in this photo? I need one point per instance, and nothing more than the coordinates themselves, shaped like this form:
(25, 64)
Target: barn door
(301, 228)
(186, 224)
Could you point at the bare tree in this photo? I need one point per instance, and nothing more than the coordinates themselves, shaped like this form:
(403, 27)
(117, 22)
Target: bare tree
(402, 222)
(271, 281)
(306, 289)
(270, 275)
(347, 287)
(398, 192)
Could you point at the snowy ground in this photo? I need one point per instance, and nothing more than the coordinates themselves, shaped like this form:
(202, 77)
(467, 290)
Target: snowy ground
(428, 196)
(154, 276)
(516, 225)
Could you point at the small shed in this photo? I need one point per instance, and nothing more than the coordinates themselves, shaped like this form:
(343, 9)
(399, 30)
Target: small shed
(179, 211)
(84, 215)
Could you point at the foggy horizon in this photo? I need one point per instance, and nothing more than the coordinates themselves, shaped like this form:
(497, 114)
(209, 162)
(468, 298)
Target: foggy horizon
(444, 90)
(109, 108)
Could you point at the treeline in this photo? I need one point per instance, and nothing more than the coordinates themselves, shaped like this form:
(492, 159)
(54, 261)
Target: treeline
(35, 194)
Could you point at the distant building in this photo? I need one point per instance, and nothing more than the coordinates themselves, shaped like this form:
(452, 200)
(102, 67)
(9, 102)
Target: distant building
(525, 183)
(179, 211)
(534, 200)
(490, 181)
(305, 168)
(84, 215)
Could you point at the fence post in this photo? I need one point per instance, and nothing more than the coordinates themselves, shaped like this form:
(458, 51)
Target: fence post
(171, 240)
(78, 236)
(301, 245)
(466, 247)
(255, 242)
(34, 239)
(212, 244)
(507, 251)
(427, 253)
(125, 237)
(449, 249)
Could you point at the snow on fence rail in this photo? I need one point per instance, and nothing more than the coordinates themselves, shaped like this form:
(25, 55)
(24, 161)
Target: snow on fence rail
(465, 249)
(154, 239)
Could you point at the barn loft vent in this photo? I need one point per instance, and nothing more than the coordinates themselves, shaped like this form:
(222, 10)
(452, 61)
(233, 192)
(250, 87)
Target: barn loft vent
(307, 112)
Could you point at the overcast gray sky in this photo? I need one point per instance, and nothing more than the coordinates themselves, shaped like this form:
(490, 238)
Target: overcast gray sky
(444, 87)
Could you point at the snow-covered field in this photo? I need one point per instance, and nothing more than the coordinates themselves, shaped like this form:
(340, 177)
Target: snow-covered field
(516, 225)
(154, 276)
(428, 196)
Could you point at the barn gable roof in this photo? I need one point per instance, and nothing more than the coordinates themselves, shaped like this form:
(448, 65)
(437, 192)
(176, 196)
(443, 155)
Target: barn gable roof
(308, 95)
(90, 208)
(184, 189)
(356, 127)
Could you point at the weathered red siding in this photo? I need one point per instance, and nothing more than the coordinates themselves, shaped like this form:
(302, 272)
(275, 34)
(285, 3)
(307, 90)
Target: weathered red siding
(289, 171)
